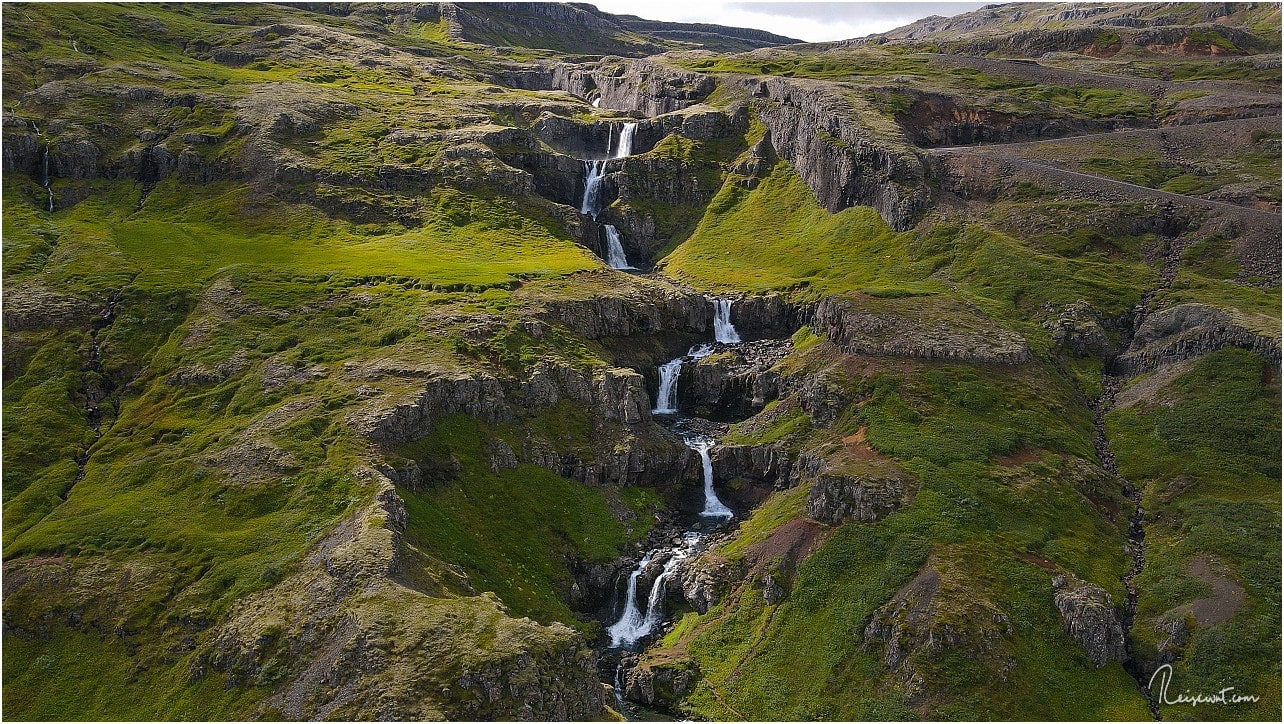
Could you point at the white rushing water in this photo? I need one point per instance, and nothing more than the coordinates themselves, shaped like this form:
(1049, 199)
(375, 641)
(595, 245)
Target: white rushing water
(666, 395)
(723, 329)
(626, 140)
(713, 507)
(636, 623)
(592, 187)
(631, 619)
(615, 250)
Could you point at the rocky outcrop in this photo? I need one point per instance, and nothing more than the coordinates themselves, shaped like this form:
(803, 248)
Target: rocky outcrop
(770, 464)
(1091, 619)
(911, 627)
(939, 120)
(1078, 330)
(324, 640)
(1188, 331)
(734, 382)
(661, 684)
(836, 498)
(816, 128)
(705, 580)
(643, 86)
(614, 394)
(635, 311)
(934, 328)
(626, 463)
(30, 307)
(399, 421)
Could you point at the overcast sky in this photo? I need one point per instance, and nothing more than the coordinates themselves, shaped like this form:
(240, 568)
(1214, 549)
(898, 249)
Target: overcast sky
(810, 21)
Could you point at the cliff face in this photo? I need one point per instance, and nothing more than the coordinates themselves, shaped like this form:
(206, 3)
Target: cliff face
(360, 662)
(842, 162)
(1187, 331)
(642, 86)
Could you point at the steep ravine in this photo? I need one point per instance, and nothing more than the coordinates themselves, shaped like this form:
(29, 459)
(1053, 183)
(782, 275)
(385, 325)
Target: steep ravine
(1110, 386)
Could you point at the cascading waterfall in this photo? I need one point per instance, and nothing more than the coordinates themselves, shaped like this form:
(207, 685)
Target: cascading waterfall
(723, 329)
(636, 624)
(713, 507)
(615, 250)
(591, 204)
(666, 396)
(592, 187)
(631, 620)
(626, 140)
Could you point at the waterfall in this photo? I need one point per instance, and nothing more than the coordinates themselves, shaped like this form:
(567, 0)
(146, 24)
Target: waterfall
(723, 329)
(631, 620)
(592, 187)
(666, 395)
(626, 140)
(48, 187)
(615, 250)
(635, 625)
(713, 507)
(619, 683)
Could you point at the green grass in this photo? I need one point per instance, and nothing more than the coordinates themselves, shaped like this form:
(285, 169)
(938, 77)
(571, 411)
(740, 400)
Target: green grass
(512, 530)
(1211, 491)
(778, 237)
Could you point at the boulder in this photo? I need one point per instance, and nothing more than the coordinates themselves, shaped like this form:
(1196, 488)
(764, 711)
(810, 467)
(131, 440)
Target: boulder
(1090, 618)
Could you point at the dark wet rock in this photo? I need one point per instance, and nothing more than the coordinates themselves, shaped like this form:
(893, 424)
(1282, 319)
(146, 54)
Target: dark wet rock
(935, 328)
(767, 316)
(735, 381)
(1091, 619)
(769, 464)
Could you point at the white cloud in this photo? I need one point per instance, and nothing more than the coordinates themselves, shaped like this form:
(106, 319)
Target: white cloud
(810, 21)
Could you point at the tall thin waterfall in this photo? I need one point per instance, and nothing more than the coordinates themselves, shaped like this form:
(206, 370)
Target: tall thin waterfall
(615, 250)
(723, 329)
(626, 140)
(592, 187)
(591, 204)
(713, 507)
